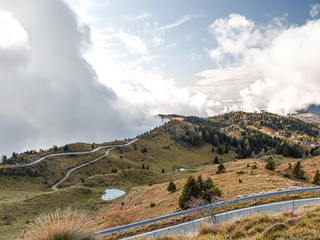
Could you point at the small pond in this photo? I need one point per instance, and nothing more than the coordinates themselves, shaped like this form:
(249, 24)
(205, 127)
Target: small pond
(180, 170)
(112, 194)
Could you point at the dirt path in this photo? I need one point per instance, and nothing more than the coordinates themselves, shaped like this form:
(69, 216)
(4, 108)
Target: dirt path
(55, 187)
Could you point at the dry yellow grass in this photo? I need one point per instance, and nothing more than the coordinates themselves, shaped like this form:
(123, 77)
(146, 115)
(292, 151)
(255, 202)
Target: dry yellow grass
(60, 225)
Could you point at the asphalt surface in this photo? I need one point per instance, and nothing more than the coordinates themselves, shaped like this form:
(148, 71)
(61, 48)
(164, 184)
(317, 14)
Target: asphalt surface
(271, 208)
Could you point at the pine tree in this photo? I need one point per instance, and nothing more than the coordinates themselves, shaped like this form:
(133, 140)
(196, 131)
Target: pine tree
(220, 150)
(216, 160)
(66, 148)
(190, 189)
(143, 167)
(297, 171)
(271, 165)
(221, 169)
(172, 187)
(316, 178)
(286, 151)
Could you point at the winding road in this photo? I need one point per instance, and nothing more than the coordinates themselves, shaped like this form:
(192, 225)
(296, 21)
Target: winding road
(55, 187)
(68, 153)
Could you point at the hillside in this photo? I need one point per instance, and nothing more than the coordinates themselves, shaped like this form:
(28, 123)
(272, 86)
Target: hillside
(144, 168)
(308, 117)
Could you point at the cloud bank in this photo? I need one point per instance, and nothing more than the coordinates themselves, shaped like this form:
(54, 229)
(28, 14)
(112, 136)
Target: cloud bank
(49, 92)
(271, 67)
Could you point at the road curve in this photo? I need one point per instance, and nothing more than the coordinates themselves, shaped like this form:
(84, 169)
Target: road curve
(68, 153)
(55, 187)
(271, 208)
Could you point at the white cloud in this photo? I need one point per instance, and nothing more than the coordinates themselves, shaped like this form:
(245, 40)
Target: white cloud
(137, 17)
(49, 92)
(12, 34)
(289, 73)
(134, 43)
(182, 20)
(314, 10)
(236, 34)
(272, 67)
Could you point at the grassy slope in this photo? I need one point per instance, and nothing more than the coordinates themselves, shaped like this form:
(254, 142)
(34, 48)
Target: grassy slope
(23, 198)
(302, 224)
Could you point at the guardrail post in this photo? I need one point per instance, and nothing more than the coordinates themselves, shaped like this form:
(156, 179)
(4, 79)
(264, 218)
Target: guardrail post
(255, 200)
(287, 193)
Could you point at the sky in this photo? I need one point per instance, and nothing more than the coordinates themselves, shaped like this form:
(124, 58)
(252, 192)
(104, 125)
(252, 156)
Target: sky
(99, 70)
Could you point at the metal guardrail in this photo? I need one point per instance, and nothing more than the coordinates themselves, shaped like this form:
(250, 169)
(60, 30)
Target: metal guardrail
(218, 204)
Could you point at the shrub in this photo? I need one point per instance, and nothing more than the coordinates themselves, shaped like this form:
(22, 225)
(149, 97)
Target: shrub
(152, 204)
(316, 178)
(240, 181)
(207, 228)
(297, 171)
(171, 187)
(198, 189)
(254, 167)
(271, 165)
(61, 224)
(221, 169)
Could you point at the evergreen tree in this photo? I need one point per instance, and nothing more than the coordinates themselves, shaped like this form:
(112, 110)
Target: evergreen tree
(190, 189)
(66, 148)
(221, 169)
(226, 151)
(216, 160)
(220, 150)
(316, 178)
(297, 171)
(271, 165)
(162, 170)
(286, 151)
(215, 140)
(200, 183)
(172, 187)
(143, 167)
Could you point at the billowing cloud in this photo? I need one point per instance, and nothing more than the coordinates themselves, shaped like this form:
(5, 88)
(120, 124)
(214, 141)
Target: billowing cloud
(49, 92)
(271, 67)
(289, 71)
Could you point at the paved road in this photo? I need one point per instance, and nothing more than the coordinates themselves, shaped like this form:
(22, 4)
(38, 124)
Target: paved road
(68, 153)
(270, 208)
(55, 187)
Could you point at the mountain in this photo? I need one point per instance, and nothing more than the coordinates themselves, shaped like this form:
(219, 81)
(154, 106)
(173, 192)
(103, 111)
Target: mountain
(243, 142)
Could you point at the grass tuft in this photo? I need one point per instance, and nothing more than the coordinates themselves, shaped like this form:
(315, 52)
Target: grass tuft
(207, 228)
(60, 225)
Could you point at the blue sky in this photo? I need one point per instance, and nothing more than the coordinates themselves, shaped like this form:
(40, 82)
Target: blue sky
(98, 70)
(183, 52)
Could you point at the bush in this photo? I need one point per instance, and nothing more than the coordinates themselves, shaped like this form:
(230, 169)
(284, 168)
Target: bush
(240, 181)
(297, 171)
(316, 178)
(271, 165)
(198, 189)
(152, 204)
(171, 187)
(254, 167)
(221, 169)
(61, 224)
